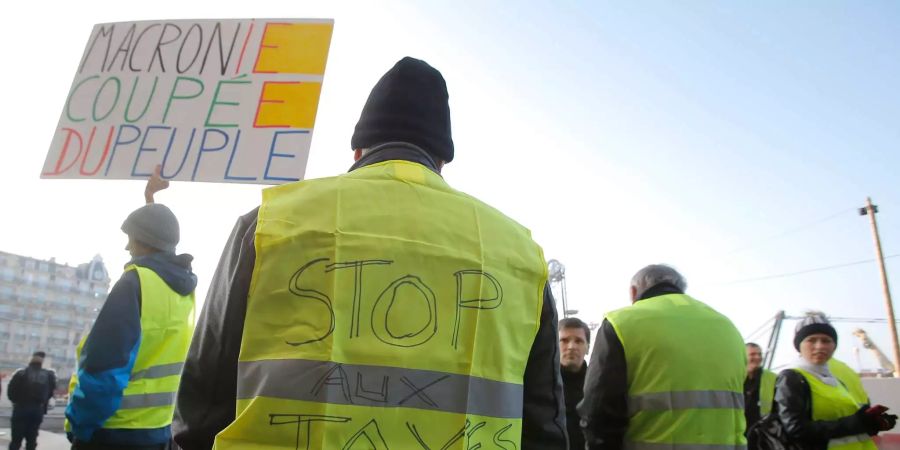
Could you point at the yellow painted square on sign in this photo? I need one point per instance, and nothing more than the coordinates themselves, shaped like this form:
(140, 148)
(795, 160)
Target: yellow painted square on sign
(288, 105)
(294, 48)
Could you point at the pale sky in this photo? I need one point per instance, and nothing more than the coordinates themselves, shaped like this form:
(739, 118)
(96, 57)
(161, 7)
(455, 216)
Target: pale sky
(712, 136)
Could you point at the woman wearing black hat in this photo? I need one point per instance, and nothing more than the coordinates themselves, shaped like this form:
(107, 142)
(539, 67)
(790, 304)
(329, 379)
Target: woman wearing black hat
(816, 409)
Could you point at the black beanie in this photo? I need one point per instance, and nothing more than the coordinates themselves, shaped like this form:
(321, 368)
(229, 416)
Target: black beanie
(408, 104)
(813, 324)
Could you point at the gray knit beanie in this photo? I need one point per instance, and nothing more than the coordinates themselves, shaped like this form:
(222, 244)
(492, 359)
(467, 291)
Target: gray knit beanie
(154, 225)
(813, 323)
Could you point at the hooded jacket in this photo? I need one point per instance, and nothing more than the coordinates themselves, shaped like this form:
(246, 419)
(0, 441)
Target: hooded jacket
(109, 353)
(206, 397)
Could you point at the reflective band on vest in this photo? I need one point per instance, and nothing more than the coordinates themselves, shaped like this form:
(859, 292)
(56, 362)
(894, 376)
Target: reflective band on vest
(385, 310)
(669, 446)
(166, 328)
(147, 400)
(685, 389)
(833, 403)
(766, 392)
(855, 439)
(164, 370)
(423, 389)
(665, 401)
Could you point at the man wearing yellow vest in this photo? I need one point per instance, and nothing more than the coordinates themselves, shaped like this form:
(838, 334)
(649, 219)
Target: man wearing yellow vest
(666, 373)
(377, 309)
(759, 386)
(122, 395)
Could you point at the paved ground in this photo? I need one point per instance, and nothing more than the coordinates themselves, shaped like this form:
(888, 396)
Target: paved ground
(51, 436)
(46, 440)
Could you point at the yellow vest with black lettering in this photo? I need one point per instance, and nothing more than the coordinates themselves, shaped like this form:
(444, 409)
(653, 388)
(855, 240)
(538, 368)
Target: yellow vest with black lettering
(167, 324)
(685, 367)
(851, 380)
(766, 391)
(832, 403)
(386, 310)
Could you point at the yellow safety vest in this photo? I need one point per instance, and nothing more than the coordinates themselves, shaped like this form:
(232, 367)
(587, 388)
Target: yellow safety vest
(386, 310)
(832, 403)
(766, 391)
(167, 324)
(851, 380)
(73, 380)
(686, 366)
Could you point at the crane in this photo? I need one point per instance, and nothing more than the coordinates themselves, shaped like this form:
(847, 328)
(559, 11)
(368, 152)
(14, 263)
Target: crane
(867, 343)
(557, 274)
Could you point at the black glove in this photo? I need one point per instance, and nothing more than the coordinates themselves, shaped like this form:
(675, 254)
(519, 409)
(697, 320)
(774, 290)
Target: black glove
(870, 422)
(888, 422)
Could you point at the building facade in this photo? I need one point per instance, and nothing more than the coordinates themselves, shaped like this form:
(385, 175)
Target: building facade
(47, 306)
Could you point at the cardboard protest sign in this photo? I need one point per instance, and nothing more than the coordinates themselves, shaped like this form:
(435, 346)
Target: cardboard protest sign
(211, 100)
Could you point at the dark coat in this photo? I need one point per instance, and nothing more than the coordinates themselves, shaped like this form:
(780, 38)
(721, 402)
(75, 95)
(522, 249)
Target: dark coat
(573, 387)
(31, 387)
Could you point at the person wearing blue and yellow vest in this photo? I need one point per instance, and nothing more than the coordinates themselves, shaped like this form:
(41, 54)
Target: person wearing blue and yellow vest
(759, 386)
(122, 394)
(377, 309)
(815, 407)
(666, 373)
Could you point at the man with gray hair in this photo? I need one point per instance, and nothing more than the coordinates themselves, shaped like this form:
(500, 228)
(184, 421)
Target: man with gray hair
(665, 372)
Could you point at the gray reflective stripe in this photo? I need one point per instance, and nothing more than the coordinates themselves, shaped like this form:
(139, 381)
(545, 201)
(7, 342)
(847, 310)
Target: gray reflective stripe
(670, 446)
(147, 400)
(160, 371)
(667, 401)
(378, 386)
(855, 439)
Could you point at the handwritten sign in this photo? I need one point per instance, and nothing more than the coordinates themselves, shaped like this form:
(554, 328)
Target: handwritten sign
(211, 100)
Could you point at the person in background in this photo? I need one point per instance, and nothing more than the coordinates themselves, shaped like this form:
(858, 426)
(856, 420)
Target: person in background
(815, 408)
(574, 339)
(665, 373)
(759, 386)
(129, 365)
(29, 390)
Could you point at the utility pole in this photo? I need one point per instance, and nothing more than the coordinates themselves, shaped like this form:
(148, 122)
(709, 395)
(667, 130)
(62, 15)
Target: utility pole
(870, 210)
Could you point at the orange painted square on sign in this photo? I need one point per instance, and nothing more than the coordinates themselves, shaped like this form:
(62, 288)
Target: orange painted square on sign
(294, 48)
(287, 105)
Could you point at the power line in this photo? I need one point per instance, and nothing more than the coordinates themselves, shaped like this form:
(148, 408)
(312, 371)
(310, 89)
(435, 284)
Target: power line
(802, 272)
(789, 231)
(766, 326)
(845, 319)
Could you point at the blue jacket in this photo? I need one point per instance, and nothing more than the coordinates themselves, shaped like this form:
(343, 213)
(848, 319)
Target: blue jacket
(109, 353)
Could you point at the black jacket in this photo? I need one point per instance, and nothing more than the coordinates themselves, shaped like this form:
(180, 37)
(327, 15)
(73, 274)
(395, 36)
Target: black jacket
(573, 386)
(31, 387)
(751, 397)
(793, 404)
(206, 397)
